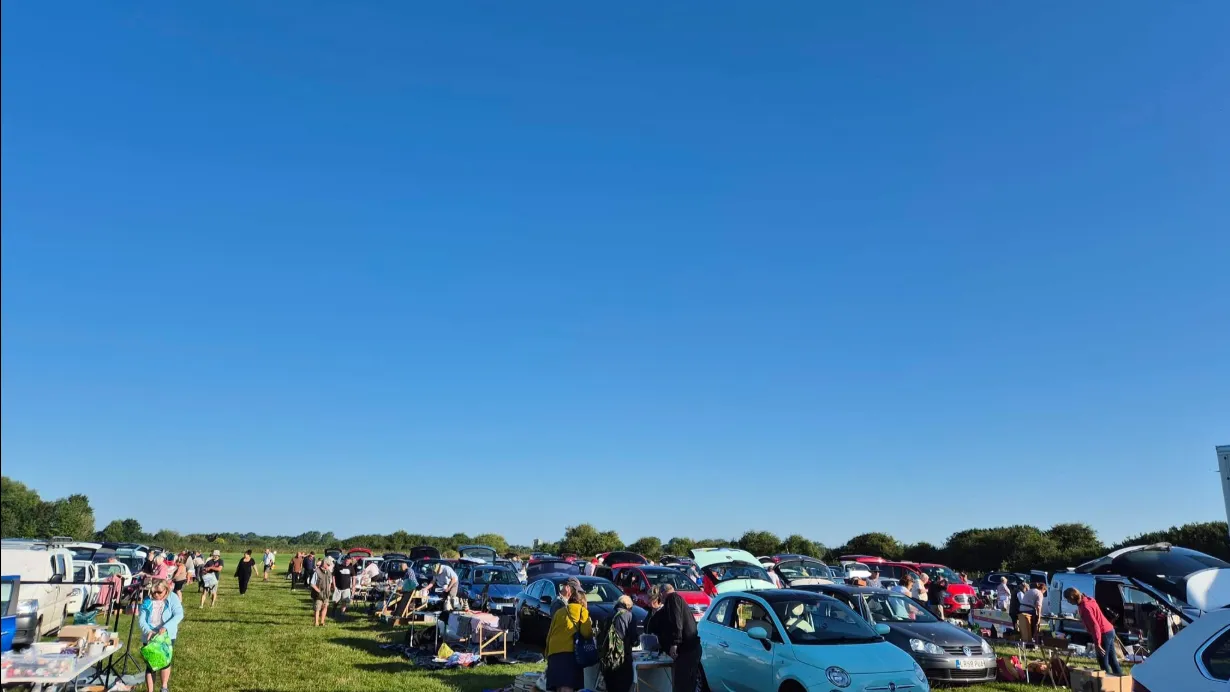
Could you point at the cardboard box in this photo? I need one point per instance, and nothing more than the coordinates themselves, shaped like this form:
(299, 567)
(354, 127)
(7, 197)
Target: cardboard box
(1084, 680)
(86, 632)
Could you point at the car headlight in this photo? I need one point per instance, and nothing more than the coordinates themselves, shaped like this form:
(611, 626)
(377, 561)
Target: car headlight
(27, 607)
(919, 673)
(697, 608)
(837, 676)
(922, 647)
(986, 648)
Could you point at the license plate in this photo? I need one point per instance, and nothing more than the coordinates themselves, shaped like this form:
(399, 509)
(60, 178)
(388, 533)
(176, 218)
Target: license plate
(971, 664)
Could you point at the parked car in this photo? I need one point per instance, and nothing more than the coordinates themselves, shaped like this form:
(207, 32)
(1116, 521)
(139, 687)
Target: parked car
(335, 553)
(799, 570)
(359, 553)
(395, 568)
(959, 597)
(622, 557)
(494, 586)
(85, 586)
(782, 639)
(1198, 658)
(1143, 590)
(478, 553)
(394, 556)
(854, 570)
(423, 552)
(106, 569)
(533, 605)
(636, 580)
(538, 569)
(946, 653)
(44, 571)
(730, 569)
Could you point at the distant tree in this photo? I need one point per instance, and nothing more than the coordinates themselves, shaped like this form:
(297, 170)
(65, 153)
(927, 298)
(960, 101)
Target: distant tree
(494, 540)
(760, 542)
(878, 544)
(797, 545)
(587, 541)
(167, 538)
(649, 546)
(679, 547)
(923, 552)
(19, 510)
(122, 531)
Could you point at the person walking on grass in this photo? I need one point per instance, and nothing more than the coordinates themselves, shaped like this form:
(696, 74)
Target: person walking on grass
(160, 613)
(296, 570)
(243, 571)
(210, 572)
(343, 574)
(180, 576)
(321, 585)
(198, 566)
(268, 562)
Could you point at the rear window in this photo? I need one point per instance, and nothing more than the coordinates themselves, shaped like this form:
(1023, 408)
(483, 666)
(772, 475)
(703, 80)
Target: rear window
(1216, 656)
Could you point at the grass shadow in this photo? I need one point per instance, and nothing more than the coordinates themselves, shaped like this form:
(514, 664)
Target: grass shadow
(368, 646)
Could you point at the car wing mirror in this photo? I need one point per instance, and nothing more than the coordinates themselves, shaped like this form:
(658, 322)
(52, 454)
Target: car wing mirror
(56, 579)
(758, 633)
(883, 630)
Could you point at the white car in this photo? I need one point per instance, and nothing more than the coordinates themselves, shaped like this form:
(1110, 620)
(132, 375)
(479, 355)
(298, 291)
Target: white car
(85, 586)
(106, 569)
(1197, 659)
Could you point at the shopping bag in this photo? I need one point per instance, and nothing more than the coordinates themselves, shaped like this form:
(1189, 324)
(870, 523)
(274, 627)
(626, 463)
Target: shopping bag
(157, 653)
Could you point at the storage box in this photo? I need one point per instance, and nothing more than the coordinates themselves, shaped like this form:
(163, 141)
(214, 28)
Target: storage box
(1084, 680)
(86, 632)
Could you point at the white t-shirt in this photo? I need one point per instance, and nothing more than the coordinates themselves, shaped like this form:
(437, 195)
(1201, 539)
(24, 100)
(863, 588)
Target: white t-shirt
(901, 590)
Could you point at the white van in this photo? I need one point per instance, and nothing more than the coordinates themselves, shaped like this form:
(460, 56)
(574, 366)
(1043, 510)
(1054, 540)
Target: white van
(38, 562)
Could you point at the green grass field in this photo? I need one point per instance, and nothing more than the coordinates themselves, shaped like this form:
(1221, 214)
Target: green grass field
(264, 641)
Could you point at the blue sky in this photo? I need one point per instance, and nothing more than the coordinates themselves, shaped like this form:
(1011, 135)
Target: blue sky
(818, 268)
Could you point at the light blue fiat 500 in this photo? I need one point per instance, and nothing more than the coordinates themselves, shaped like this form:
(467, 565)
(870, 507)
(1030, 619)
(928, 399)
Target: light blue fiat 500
(787, 641)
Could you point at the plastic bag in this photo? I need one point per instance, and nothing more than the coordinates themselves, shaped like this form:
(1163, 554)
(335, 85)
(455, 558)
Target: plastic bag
(157, 653)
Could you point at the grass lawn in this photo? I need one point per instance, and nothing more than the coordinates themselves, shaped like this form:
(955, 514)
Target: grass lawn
(264, 641)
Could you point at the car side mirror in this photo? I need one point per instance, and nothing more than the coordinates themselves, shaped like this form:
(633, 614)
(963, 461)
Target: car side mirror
(758, 633)
(883, 630)
(56, 579)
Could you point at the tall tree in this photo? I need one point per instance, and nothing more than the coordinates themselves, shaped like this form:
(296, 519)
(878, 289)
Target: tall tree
(679, 546)
(875, 543)
(71, 516)
(760, 543)
(587, 541)
(19, 510)
(798, 545)
(649, 546)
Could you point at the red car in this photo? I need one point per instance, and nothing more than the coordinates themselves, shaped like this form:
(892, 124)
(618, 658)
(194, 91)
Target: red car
(959, 597)
(635, 580)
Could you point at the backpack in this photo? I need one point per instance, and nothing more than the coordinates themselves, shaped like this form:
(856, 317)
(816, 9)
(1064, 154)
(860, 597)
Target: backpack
(611, 652)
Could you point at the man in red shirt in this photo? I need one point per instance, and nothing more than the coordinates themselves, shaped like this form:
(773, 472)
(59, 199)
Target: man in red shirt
(1099, 628)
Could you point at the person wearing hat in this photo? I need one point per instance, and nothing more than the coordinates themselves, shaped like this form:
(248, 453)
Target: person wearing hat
(874, 580)
(563, 673)
(564, 594)
(210, 572)
(621, 626)
(446, 583)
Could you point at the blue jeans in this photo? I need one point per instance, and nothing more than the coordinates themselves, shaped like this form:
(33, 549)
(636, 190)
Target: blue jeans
(1108, 660)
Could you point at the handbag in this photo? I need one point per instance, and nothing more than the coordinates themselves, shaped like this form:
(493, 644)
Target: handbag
(157, 653)
(584, 649)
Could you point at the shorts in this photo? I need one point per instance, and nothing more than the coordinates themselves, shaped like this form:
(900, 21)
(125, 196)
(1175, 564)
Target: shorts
(342, 597)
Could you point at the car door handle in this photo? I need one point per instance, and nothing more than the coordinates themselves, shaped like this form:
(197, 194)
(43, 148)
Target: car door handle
(724, 645)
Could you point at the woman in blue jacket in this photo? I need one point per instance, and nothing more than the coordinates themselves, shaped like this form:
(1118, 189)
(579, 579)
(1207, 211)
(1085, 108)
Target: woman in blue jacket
(160, 612)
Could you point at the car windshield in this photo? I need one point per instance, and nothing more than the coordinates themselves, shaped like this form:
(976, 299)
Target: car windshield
(942, 572)
(895, 608)
(736, 570)
(134, 563)
(601, 592)
(803, 570)
(79, 574)
(822, 621)
(495, 576)
(82, 553)
(679, 580)
(108, 568)
(6, 595)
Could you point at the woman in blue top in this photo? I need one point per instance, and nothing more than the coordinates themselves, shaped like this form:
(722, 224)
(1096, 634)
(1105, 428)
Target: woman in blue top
(160, 612)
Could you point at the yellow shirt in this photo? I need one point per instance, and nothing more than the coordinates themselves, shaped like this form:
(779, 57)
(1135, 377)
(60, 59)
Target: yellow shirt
(564, 625)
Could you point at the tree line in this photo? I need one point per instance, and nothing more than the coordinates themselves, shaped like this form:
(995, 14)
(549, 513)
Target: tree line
(1019, 548)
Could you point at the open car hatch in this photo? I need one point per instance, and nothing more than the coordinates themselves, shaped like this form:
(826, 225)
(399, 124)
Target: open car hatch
(481, 553)
(1185, 576)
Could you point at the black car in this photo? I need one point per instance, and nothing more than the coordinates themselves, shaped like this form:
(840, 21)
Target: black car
(539, 569)
(395, 568)
(533, 605)
(945, 652)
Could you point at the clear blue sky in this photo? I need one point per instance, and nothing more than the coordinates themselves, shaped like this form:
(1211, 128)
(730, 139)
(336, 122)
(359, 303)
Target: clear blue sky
(824, 268)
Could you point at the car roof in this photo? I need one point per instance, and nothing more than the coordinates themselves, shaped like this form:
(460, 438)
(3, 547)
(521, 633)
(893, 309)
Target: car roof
(778, 595)
(560, 576)
(845, 588)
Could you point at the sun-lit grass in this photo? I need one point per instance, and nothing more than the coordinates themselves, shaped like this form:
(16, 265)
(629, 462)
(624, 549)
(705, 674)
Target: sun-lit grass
(264, 641)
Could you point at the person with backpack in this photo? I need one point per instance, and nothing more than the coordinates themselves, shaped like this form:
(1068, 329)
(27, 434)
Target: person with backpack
(615, 646)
